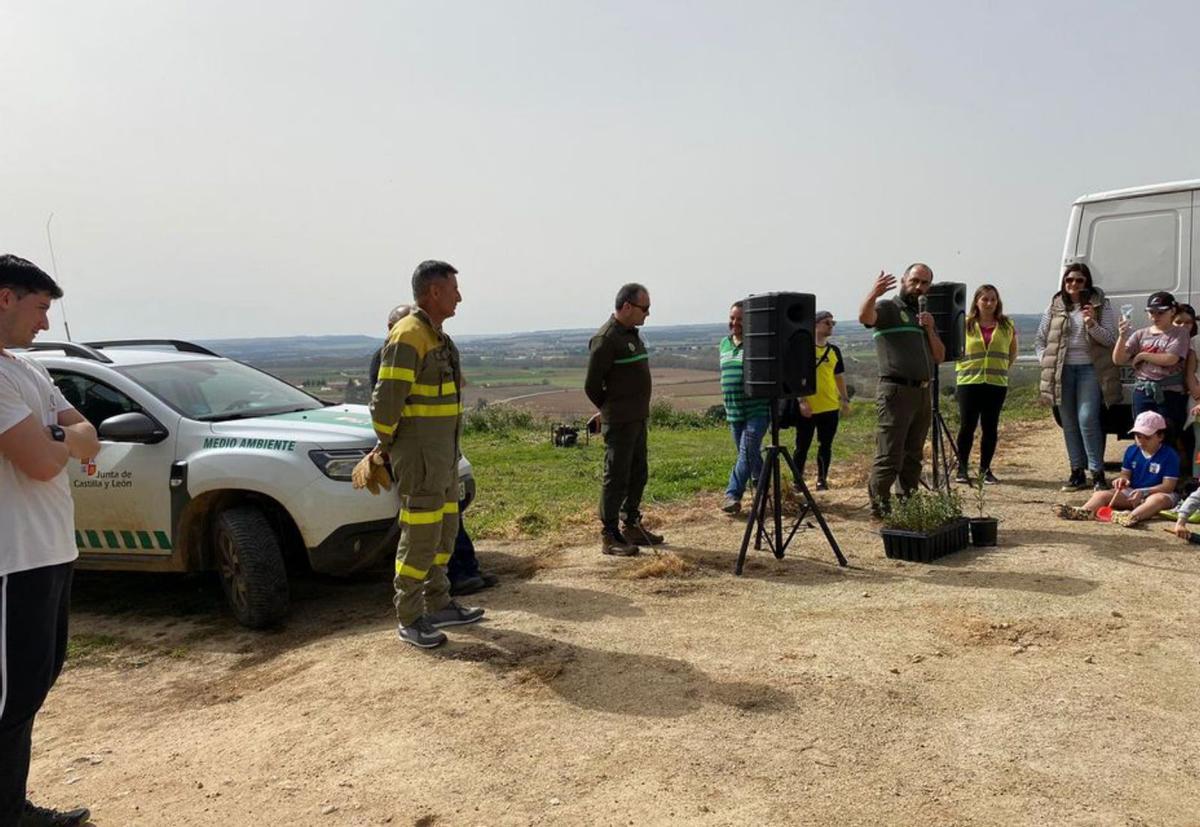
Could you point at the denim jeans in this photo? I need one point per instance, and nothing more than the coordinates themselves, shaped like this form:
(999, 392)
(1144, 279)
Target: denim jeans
(1174, 409)
(747, 438)
(1080, 409)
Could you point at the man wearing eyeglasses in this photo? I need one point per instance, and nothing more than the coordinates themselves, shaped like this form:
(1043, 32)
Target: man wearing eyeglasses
(618, 383)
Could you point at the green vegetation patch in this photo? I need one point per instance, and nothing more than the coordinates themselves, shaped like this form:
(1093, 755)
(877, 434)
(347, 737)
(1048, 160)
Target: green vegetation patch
(528, 489)
(86, 646)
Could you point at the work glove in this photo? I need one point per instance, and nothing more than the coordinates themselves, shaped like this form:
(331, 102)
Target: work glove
(371, 473)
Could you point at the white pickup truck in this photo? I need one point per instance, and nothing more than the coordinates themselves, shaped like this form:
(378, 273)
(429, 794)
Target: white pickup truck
(210, 464)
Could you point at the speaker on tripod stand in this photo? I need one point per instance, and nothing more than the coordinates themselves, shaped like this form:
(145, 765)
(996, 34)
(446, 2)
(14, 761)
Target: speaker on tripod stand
(946, 301)
(779, 362)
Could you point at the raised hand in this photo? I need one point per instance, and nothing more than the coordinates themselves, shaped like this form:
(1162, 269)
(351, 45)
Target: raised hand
(883, 283)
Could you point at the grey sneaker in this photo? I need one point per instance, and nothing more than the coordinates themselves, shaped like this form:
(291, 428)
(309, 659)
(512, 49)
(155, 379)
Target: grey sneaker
(454, 615)
(422, 634)
(731, 506)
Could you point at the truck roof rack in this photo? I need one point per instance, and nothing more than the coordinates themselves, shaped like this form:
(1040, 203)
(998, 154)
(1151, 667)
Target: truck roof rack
(178, 344)
(83, 351)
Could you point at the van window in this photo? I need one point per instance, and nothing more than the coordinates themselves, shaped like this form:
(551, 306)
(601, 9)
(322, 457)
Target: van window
(1135, 252)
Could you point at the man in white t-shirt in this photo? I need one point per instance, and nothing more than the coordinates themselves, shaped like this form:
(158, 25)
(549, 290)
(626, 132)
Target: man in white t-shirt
(39, 434)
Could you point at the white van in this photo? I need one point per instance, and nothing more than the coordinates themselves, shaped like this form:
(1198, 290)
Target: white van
(1137, 241)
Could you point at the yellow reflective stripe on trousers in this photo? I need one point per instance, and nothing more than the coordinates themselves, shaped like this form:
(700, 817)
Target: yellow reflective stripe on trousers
(444, 409)
(420, 517)
(405, 374)
(441, 559)
(444, 389)
(405, 570)
(427, 517)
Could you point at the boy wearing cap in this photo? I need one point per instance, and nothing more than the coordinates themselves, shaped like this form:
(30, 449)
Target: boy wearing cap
(1149, 474)
(1158, 354)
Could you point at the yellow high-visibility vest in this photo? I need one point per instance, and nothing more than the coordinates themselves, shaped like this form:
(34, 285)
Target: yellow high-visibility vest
(987, 364)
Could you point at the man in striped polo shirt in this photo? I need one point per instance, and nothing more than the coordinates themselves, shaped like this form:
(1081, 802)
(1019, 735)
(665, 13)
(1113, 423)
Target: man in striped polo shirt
(618, 383)
(748, 418)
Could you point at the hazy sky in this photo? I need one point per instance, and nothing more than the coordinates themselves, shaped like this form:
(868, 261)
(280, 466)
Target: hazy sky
(243, 168)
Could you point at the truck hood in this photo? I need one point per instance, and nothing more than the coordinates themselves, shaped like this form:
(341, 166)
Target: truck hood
(338, 426)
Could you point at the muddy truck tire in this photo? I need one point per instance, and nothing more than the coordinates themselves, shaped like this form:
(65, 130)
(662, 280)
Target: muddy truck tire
(250, 565)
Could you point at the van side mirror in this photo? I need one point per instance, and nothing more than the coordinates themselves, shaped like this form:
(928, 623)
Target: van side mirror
(132, 427)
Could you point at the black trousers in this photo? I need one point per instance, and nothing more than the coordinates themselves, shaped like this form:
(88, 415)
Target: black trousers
(625, 473)
(34, 605)
(825, 426)
(978, 405)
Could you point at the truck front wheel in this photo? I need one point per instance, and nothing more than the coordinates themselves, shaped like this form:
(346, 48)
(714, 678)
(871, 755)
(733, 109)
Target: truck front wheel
(250, 565)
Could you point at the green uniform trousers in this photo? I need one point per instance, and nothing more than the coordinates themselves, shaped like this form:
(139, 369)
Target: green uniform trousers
(625, 473)
(904, 415)
(428, 526)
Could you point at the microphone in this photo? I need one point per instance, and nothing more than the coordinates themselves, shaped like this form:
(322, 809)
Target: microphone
(922, 303)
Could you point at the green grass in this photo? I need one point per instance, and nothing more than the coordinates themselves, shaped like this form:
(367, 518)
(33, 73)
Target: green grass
(498, 377)
(530, 489)
(82, 646)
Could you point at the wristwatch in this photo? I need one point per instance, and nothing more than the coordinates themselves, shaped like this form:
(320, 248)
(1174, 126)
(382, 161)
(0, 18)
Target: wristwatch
(58, 434)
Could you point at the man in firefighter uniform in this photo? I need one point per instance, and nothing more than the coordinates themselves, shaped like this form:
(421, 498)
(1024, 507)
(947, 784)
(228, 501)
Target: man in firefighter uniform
(417, 411)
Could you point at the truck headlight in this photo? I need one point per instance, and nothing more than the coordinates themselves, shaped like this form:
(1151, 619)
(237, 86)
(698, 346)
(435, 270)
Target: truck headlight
(338, 464)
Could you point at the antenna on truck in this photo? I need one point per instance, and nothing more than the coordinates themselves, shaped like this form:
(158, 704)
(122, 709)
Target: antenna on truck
(54, 266)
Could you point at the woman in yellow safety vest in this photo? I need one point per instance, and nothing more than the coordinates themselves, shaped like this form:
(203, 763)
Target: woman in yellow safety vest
(982, 372)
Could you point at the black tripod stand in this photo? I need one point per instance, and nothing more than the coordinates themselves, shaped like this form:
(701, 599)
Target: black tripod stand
(940, 438)
(769, 486)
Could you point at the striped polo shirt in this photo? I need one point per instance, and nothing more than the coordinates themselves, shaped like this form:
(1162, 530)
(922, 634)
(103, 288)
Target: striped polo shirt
(738, 407)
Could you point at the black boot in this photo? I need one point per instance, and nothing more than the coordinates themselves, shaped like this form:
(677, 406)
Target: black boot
(1099, 483)
(35, 816)
(1076, 482)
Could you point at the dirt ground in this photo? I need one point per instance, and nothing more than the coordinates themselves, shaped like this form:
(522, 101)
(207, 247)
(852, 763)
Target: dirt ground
(1051, 680)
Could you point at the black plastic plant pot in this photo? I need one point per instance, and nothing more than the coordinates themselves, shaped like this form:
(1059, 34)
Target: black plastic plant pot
(983, 531)
(918, 547)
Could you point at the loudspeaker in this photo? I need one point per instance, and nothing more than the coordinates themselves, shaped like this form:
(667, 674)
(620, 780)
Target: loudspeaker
(779, 360)
(947, 303)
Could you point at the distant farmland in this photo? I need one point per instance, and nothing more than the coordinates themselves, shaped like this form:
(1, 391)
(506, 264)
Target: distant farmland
(561, 395)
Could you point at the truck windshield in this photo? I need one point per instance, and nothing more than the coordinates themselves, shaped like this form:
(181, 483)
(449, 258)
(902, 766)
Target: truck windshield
(217, 389)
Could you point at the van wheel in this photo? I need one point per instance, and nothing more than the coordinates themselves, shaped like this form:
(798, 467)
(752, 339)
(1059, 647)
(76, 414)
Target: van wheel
(250, 565)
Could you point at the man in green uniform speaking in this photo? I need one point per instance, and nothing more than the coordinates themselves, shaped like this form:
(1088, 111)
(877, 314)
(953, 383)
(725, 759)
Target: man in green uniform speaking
(618, 383)
(909, 351)
(417, 411)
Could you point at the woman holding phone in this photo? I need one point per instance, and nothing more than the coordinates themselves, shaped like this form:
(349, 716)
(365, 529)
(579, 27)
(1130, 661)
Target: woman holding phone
(1074, 347)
